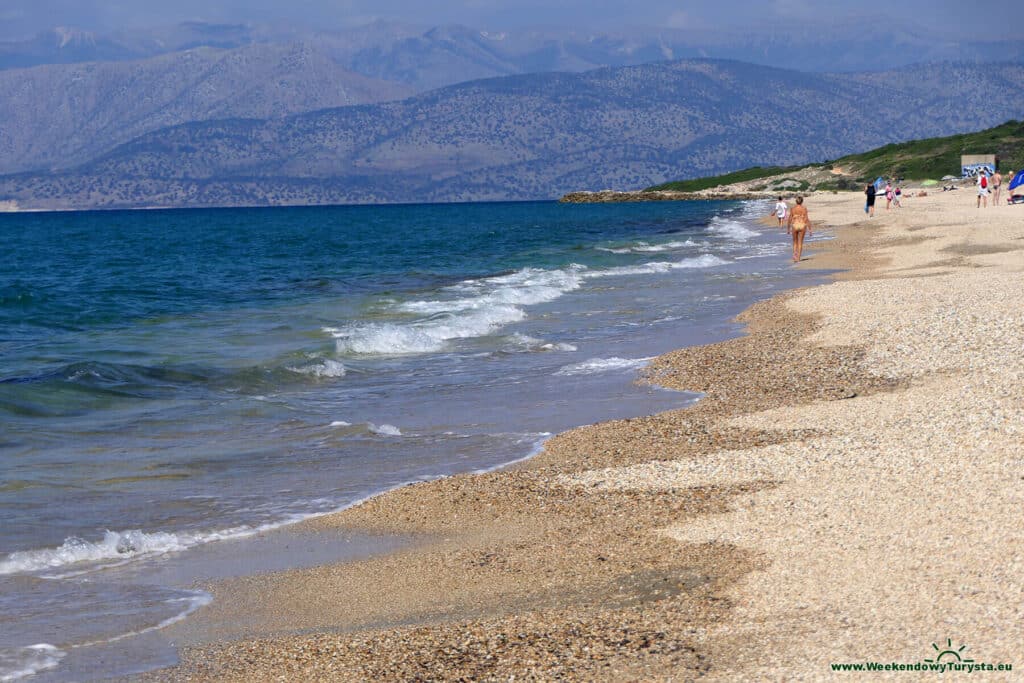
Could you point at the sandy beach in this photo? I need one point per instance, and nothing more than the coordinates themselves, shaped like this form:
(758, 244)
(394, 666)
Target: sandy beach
(849, 489)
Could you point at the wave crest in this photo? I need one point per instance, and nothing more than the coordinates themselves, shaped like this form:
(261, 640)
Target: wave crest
(597, 365)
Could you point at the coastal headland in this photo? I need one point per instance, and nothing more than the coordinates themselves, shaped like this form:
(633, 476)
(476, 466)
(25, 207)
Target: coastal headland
(613, 196)
(848, 491)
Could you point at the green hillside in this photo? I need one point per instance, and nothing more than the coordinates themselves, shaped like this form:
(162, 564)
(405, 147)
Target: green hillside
(936, 157)
(698, 184)
(914, 160)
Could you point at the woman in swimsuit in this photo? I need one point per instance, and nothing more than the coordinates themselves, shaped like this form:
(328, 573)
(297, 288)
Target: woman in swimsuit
(799, 224)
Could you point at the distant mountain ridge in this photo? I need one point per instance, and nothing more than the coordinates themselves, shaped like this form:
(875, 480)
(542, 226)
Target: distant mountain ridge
(426, 57)
(535, 136)
(60, 115)
(72, 94)
(69, 45)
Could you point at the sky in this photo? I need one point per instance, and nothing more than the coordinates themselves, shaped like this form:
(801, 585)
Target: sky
(942, 19)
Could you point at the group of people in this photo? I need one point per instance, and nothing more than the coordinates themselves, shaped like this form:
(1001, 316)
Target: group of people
(893, 197)
(990, 184)
(798, 224)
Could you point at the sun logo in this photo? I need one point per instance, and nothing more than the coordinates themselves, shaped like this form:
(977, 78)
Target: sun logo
(949, 653)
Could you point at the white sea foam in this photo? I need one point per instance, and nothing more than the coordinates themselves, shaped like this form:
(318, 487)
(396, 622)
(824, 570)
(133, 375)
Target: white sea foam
(326, 368)
(341, 423)
(666, 246)
(478, 307)
(731, 229)
(17, 663)
(524, 287)
(702, 261)
(596, 365)
(116, 547)
(387, 338)
(384, 429)
(642, 269)
(482, 307)
(646, 248)
(529, 343)
(424, 336)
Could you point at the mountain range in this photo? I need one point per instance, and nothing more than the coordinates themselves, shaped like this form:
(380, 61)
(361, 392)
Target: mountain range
(427, 57)
(71, 95)
(59, 115)
(534, 136)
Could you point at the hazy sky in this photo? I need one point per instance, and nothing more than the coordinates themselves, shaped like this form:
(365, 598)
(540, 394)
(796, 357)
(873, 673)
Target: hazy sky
(942, 18)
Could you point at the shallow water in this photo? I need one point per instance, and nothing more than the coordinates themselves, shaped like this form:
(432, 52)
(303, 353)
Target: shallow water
(174, 379)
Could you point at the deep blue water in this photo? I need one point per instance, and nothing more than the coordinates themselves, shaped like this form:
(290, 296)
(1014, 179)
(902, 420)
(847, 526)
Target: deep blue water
(172, 378)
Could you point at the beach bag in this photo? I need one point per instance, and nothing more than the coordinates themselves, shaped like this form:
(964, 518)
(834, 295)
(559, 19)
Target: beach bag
(984, 182)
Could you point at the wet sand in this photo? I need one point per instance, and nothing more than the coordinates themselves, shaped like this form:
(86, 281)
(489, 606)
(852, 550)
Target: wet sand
(849, 489)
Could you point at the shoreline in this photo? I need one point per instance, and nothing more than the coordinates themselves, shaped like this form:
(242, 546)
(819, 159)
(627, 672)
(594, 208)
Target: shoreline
(617, 196)
(565, 565)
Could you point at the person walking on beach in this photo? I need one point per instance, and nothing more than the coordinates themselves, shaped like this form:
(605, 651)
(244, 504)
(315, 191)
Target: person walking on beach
(781, 209)
(997, 183)
(869, 207)
(888, 195)
(799, 225)
(982, 188)
(897, 194)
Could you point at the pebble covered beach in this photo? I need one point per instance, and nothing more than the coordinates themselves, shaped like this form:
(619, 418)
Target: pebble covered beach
(849, 489)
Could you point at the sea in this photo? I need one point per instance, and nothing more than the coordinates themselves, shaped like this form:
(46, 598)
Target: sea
(178, 386)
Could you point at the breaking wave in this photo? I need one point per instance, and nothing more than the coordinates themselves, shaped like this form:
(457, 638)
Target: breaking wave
(476, 308)
(598, 365)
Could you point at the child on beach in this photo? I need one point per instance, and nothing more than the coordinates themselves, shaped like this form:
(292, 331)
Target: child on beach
(781, 209)
(982, 189)
(897, 194)
(799, 224)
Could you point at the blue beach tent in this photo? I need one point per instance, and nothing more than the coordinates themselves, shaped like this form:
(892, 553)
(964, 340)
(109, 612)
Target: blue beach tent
(1018, 181)
(1017, 188)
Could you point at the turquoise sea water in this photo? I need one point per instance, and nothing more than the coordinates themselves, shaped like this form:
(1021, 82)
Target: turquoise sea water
(171, 379)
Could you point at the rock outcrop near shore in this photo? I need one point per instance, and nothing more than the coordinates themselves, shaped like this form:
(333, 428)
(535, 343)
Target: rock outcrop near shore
(613, 196)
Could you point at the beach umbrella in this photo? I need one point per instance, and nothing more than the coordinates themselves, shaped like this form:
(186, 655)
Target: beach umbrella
(1017, 184)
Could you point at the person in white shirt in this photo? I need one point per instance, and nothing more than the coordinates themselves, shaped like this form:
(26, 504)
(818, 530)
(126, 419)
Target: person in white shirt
(781, 211)
(982, 188)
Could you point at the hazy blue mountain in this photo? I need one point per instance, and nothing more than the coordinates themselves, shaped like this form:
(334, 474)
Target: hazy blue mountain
(452, 54)
(68, 45)
(75, 95)
(59, 115)
(425, 57)
(536, 136)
